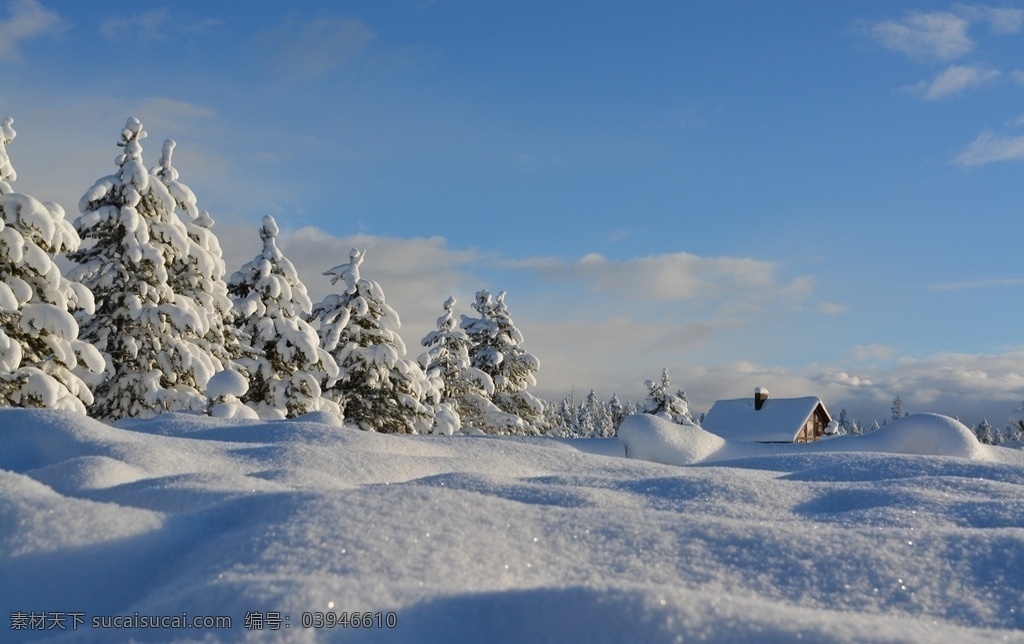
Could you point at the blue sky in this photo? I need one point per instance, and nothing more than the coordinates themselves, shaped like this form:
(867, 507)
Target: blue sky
(816, 197)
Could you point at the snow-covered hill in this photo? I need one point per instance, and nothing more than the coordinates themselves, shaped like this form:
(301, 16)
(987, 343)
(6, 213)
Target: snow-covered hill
(914, 533)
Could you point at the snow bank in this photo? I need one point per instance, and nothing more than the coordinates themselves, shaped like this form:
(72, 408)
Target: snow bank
(471, 539)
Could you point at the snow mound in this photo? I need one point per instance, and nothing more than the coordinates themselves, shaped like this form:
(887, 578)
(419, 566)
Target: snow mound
(923, 434)
(651, 438)
(226, 383)
(84, 473)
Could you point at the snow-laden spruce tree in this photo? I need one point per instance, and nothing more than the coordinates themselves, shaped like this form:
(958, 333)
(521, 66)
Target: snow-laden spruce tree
(495, 349)
(662, 402)
(596, 417)
(145, 331)
(198, 274)
(620, 411)
(40, 352)
(271, 304)
(896, 412)
(465, 389)
(378, 388)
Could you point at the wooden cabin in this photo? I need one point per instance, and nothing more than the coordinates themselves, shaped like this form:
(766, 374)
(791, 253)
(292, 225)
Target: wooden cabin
(768, 420)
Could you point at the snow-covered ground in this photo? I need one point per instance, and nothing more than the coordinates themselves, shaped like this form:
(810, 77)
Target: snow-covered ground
(913, 533)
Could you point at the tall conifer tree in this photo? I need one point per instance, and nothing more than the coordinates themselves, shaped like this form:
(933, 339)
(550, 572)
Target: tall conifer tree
(40, 353)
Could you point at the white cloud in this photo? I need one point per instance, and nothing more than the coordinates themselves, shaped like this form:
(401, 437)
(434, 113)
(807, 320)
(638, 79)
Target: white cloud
(990, 147)
(939, 35)
(317, 47)
(953, 81)
(671, 276)
(28, 19)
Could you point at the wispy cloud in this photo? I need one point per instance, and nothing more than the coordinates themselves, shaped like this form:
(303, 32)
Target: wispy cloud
(953, 81)
(310, 49)
(990, 147)
(925, 36)
(155, 24)
(27, 20)
(831, 308)
(1001, 20)
(670, 276)
(872, 352)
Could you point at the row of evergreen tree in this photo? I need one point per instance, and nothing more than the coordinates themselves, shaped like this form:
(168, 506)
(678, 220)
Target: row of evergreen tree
(593, 417)
(145, 321)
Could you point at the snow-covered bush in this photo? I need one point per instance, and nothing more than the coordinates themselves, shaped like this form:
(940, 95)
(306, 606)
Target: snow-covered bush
(131, 235)
(377, 387)
(662, 402)
(288, 366)
(41, 355)
(495, 350)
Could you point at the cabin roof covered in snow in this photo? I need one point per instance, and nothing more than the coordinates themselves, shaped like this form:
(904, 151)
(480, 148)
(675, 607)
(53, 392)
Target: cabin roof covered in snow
(778, 420)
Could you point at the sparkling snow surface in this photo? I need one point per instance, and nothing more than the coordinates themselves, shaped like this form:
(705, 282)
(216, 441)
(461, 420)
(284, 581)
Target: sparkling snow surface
(913, 533)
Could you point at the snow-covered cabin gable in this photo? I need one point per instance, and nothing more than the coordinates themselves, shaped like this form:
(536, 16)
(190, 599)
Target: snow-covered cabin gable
(768, 420)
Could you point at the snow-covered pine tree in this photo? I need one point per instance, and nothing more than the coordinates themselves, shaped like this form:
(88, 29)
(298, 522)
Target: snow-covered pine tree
(377, 387)
(466, 389)
(288, 368)
(618, 412)
(130, 236)
(660, 401)
(595, 417)
(566, 417)
(495, 350)
(39, 347)
(198, 274)
(896, 412)
(447, 356)
(845, 424)
(983, 431)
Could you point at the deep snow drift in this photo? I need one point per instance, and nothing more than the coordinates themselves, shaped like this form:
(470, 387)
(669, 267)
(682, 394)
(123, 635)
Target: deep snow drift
(914, 533)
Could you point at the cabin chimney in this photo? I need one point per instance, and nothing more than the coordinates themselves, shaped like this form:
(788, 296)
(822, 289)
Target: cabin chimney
(760, 395)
